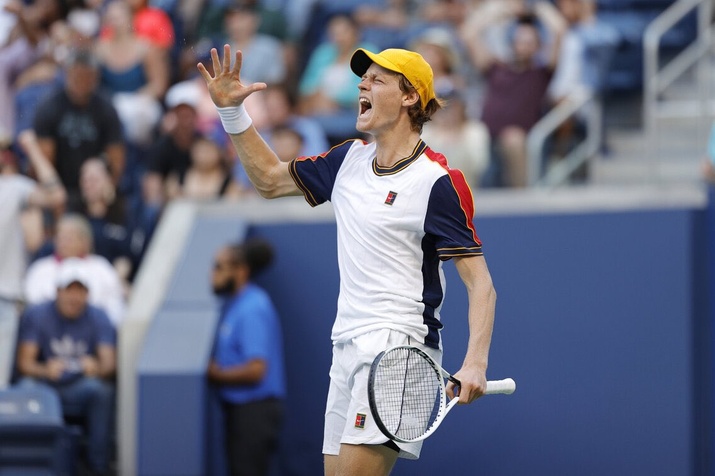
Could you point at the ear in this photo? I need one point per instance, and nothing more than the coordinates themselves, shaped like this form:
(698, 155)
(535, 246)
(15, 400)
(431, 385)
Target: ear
(243, 273)
(410, 98)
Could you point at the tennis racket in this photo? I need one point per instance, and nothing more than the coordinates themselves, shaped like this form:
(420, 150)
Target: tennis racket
(407, 393)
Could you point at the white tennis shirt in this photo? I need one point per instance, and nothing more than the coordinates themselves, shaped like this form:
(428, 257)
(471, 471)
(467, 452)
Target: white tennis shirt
(395, 227)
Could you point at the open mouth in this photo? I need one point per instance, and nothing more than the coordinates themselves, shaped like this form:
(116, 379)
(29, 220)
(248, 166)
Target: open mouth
(365, 105)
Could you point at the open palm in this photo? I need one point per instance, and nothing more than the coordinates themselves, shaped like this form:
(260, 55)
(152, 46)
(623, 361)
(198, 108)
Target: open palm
(225, 85)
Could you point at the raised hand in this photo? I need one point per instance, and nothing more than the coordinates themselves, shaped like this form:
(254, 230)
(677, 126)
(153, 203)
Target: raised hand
(225, 85)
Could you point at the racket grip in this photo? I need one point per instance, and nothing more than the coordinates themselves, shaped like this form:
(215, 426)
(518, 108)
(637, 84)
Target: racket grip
(506, 386)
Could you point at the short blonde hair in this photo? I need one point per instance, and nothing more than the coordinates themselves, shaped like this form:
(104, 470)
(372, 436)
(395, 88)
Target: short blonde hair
(419, 115)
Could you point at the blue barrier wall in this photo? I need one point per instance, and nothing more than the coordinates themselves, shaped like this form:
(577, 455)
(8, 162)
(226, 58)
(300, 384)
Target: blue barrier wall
(174, 413)
(600, 320)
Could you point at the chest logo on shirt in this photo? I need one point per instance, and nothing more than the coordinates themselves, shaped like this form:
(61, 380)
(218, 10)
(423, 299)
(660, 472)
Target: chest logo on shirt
(391, 196)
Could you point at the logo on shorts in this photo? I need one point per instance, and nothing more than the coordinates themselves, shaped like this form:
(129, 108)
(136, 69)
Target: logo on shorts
(390, 198)
(360, 420)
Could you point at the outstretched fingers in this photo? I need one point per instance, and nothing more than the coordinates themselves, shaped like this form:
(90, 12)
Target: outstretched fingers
(204, 72)
(215, 62)
(224, 82)
(221, 66)
(226, 67)
(238, 63)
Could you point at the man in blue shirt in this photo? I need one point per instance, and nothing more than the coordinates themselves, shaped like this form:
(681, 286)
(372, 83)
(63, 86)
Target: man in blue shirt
(70, 346)
(247, 361)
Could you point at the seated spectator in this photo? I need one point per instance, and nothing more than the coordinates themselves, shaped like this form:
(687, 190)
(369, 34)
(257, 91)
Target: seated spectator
(273, 19)
(387, 23)
(279, 106)
(438, 47)
(74, 239)
(69, 345)
(115, 233)
(263, 55)
(45, 74)
(586, 56)
(395, 23)
(26, 43)
(516, 90)
(151, 23)
(133, 72)
(208, 177)
(193, 92)
(328, 89)
(287, 143)
(497, 33)
(587, 52)
(18, 194)
(170, 152)
(78, 123)
(463, 141)
(447, 13)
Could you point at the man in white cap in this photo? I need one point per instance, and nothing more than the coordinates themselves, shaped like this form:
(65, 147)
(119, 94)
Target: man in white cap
(400, 212)
(69, 345)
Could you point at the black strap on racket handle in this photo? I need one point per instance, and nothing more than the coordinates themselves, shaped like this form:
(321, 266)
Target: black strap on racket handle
(454, 381)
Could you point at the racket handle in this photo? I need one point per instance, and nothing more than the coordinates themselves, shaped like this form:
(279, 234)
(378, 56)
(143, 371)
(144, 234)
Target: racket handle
(506, 386)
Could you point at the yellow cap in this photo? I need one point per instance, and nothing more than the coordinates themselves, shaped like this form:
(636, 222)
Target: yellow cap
(412, 65)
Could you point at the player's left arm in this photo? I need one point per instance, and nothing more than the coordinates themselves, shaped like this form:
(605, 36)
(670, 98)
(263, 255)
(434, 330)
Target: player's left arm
(482, 304)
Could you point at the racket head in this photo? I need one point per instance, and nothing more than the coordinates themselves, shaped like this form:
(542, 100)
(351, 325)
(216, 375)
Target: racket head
(406, 393)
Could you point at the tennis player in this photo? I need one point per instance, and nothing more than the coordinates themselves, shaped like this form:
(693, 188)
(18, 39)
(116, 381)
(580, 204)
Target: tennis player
(400, 212)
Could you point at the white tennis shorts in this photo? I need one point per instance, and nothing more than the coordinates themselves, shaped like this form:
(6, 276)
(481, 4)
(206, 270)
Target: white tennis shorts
(347, 413)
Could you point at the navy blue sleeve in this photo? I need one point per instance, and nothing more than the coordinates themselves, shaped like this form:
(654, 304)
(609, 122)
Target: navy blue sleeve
(29, 331)
(449, 217)
(45, 124)
(315, 176)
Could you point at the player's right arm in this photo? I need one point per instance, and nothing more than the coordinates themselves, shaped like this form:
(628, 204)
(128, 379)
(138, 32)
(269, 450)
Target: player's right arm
(268, 174)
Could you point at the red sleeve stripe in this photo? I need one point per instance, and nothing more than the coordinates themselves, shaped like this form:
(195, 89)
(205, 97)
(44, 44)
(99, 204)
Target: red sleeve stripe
(466, 200)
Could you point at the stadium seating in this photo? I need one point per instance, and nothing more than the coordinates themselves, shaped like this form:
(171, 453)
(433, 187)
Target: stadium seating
(631, 18)
(33, 438)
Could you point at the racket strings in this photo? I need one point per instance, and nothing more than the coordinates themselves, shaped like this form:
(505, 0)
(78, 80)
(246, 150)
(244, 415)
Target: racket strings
(408, 393)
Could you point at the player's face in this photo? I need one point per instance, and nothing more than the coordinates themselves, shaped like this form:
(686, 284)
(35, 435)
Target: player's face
(380, 100)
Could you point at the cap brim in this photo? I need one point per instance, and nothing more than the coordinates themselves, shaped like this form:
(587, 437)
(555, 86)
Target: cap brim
(65, 285)
(360, 62)
(362, 59)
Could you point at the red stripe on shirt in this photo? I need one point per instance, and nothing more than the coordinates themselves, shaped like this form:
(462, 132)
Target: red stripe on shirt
(466, 201)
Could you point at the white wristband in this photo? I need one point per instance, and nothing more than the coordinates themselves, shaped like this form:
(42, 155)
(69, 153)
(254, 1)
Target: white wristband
(235, 119)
